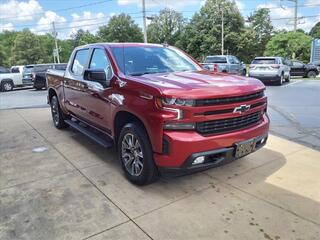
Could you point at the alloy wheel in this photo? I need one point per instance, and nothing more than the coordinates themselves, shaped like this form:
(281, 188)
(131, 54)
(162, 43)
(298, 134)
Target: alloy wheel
(132, 155)
(7, 86)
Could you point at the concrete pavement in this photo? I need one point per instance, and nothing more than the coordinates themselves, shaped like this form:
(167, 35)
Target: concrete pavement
(60, 185)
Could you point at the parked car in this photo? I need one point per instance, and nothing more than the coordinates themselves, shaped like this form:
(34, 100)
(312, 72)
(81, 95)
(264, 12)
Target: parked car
(159, 107)
(39, 73)
(304, 70)
(270, 69)
(12, 79)
(27, 75)
(4, 70)
(225, 63)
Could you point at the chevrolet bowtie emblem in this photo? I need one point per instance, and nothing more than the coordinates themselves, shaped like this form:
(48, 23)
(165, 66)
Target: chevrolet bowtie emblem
(241, 109)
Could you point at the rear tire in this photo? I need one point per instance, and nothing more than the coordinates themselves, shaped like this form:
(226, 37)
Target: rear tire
(6, 86)
(311, 74)
(58, 116)
(288, 78)
(280, 81)
(136, 155)
(244, 72)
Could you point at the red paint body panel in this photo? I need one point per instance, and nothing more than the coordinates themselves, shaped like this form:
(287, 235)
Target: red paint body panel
(99, 109)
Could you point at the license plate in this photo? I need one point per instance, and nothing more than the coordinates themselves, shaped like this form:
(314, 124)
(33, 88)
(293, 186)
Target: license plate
(245, 147)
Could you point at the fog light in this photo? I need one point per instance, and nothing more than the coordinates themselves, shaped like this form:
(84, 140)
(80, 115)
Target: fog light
(198, 160)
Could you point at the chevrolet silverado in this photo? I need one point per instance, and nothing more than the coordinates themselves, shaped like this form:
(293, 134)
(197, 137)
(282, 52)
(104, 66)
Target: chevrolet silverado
(161, 110)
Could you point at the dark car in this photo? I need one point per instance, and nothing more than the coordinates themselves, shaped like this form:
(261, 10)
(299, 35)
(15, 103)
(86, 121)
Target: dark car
(27, 75)
(304, 70)
(39, 73)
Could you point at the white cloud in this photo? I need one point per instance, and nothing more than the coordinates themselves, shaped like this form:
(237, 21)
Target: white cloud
(15, 11)
(311, 2)
(44, 24)
(283, 17)
(6, 26)
(87, 21)
(240, 4)
(176, 4)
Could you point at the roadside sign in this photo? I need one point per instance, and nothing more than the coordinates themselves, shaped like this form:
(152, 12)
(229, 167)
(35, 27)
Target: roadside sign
(315, 50)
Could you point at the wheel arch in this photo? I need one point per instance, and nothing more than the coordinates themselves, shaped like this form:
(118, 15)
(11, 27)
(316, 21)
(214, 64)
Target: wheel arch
(121, 119)
(51, 93)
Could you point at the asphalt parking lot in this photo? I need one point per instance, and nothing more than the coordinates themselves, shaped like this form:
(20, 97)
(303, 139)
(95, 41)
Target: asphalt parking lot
(59, 185)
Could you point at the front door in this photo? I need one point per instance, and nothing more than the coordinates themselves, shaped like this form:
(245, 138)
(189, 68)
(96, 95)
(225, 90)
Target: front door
(97, 99)
(297, 69)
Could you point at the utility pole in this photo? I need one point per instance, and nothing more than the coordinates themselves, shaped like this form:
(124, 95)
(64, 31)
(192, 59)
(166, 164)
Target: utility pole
(295, 15)
(144, 21)
(295, 24)
(56, 50)
(222, 31)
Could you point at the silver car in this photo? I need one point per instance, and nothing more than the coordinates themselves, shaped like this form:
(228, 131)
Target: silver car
(270, 69)
(225, 63)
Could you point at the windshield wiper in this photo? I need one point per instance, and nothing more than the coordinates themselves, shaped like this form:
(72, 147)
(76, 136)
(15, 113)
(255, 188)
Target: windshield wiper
(143, 73)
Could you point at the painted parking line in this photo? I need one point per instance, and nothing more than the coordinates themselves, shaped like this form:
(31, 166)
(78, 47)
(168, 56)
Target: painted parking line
(291, 83)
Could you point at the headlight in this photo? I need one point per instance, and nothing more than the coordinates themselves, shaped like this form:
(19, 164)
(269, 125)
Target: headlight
(179, 126)
(177, 101)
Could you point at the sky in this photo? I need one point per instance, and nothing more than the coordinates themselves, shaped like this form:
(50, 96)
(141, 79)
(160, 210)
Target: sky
(71, 15)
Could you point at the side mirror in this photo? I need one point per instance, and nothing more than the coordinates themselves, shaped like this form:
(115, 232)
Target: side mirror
(96, 75)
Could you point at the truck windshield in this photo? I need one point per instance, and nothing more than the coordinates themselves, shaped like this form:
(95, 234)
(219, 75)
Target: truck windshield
(215, 59)
(140, 60)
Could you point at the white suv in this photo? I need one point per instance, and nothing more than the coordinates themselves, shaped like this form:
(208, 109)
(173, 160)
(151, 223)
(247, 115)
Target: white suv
(270, 69)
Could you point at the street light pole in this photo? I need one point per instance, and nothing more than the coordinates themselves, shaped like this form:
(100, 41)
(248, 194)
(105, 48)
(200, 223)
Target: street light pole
(222, 32)
(144, 21)
(56, 50)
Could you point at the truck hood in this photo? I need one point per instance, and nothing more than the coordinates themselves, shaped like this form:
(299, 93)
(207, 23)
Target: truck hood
(200, 84)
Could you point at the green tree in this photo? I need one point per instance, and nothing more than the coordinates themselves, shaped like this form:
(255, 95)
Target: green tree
(7, 41)
(261, 23)
(26, 49)
(204, 30)
(315, 31)
(82, 37)
(2, 56)
(66, 48)
(288, 44)
(120, 28)
(166, 27)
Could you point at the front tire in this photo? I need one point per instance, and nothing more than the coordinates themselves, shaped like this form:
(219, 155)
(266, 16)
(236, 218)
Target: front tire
(136, 155)
(58, 116)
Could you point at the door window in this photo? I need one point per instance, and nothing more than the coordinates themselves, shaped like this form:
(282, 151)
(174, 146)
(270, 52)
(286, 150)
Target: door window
(79, 61)
(100, 61)
(297, 64)
(15, 70)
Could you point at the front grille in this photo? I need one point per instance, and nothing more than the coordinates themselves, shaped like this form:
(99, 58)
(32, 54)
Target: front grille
(227, 100)
(228, 124)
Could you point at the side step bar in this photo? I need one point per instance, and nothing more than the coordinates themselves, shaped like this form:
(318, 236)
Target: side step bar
(103, 141)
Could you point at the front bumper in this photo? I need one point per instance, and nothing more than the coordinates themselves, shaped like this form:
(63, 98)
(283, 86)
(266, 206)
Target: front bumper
(186, 145)
(213, 158)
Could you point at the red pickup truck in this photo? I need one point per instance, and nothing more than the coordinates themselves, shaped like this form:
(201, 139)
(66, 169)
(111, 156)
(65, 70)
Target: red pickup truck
(159, 107)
